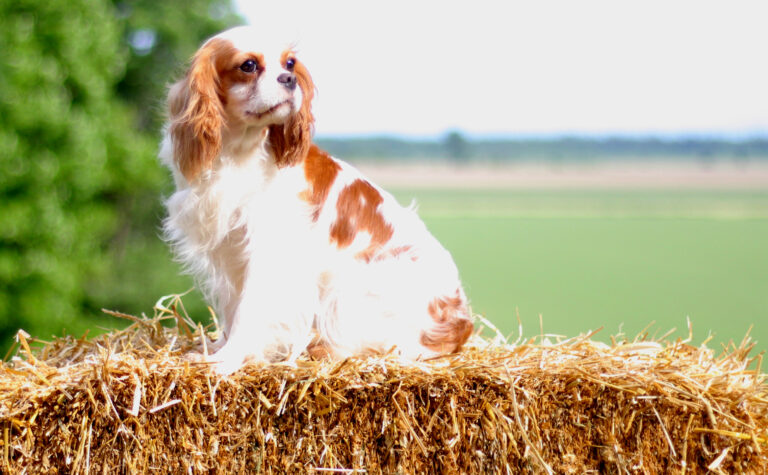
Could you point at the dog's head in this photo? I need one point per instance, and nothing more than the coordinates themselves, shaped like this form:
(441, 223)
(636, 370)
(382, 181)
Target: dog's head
(237, 91)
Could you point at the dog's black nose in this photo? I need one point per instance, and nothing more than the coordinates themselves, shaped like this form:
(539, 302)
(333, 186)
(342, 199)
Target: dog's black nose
(288, 80)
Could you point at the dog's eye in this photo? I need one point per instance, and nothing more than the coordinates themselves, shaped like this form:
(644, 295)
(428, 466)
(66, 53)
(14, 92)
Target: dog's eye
(249, 66)
(290, 63)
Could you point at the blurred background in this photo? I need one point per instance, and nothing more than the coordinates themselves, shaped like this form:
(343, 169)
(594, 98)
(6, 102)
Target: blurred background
(588, 164)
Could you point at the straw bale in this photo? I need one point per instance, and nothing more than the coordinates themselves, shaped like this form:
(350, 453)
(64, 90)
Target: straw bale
(131, 402)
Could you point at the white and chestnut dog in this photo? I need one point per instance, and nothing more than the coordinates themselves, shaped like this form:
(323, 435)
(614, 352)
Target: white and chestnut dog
(296, 250)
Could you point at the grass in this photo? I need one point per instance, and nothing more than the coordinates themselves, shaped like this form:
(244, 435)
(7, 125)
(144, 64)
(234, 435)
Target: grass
(618, 259)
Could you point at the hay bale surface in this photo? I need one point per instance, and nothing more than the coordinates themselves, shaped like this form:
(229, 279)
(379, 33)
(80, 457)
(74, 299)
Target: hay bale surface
(130, 402)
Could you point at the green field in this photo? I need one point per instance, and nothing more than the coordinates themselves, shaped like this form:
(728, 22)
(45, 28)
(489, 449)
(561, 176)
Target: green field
(614, 259)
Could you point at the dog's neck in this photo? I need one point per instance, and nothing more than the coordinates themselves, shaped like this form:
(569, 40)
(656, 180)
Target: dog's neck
(242, 142)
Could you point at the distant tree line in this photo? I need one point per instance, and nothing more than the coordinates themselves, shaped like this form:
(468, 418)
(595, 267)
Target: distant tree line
(455, 146)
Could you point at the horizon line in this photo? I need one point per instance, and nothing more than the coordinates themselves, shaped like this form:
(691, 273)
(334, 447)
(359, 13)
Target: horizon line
(724, 136)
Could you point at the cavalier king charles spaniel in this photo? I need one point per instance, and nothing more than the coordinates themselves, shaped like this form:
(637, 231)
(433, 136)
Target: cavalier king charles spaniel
(295, 250)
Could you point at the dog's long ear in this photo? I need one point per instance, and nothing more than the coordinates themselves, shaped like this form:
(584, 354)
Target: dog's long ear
(290, 141)
(196, 113)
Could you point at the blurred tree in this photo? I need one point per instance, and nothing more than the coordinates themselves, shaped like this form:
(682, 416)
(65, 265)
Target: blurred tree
(81, 82)
(456, 146)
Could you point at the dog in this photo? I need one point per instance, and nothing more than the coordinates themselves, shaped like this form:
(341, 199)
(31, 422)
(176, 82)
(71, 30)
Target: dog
(296, 250)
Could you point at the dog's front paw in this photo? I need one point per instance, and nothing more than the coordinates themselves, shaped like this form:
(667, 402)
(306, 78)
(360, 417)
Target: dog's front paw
(228, 360)
(227, 367)
(195, 357)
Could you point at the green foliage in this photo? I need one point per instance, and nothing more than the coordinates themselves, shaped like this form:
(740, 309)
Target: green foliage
(80, 185)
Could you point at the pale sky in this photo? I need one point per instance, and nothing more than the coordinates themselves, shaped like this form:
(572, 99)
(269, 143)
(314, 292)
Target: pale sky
(536, 67)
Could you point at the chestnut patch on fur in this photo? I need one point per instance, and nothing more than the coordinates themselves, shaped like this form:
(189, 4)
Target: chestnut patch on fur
(320, 171)
(373, 254)
(453, 327)
(196, 111)
(291, 141)
(357, 209)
